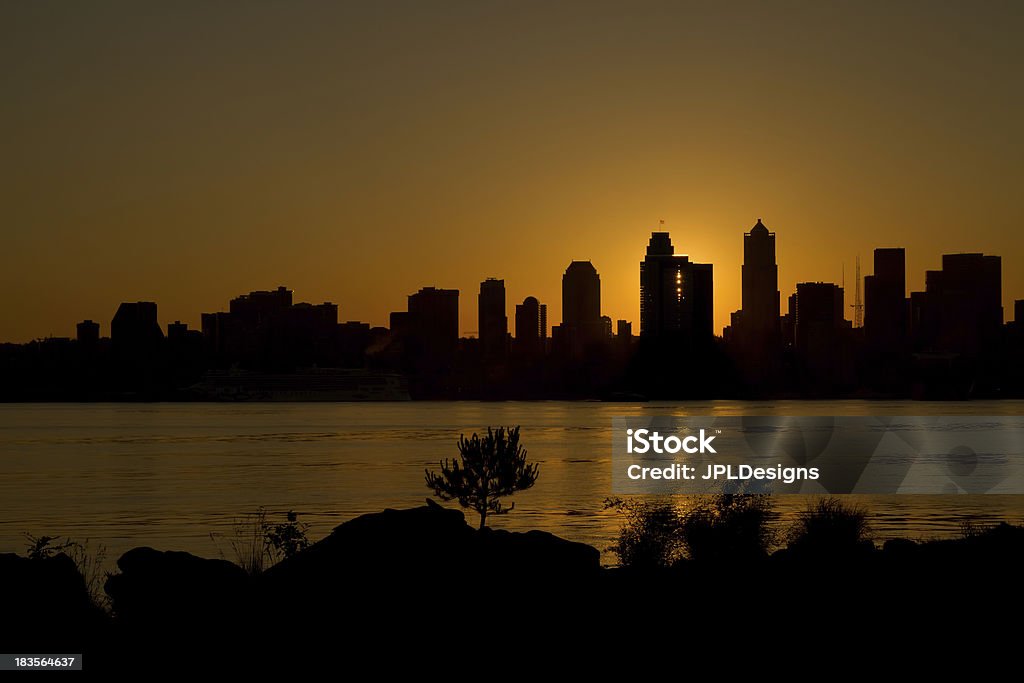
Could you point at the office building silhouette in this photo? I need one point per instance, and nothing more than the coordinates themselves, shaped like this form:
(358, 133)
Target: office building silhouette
(885, 302)
(676, 295)
(491, 319)
(755, 334)
(259, 307)
(819, 311)
(759, 313)
(398, 323)
(176, 331)
(961, 309)
(820, 333)
(87, 333)
(135, 327)
(433, 322)
(581, 308)
(531, 326)
(264, 329)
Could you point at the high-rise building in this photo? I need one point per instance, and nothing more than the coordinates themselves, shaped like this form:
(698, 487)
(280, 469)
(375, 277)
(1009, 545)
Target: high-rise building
(531, 325)
(581, 306)
(135, 327)
(819, 308)
(676, 294)
(788, 322)
(176, 331)
(820, 335)
(760, 288)
(492, 321)
(217, 335)
(265, 329)
(88, 332)
(398, 323)
(581, 296)
(757, 333)
(961, 309)
(885, 302)
(257, 308)
(434, 320)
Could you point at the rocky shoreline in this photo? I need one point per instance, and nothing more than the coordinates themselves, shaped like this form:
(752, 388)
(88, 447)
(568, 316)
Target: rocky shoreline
(421, 576)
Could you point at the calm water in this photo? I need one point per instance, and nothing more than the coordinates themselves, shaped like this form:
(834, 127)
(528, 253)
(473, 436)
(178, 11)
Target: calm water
(176, 476)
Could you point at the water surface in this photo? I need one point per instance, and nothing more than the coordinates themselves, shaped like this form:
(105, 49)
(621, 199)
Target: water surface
(177, 475)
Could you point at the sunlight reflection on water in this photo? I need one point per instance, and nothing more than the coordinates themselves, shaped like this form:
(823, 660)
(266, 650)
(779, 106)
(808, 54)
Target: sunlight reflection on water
(168, 475)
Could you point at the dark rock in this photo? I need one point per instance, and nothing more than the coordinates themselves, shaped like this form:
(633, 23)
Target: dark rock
(46, 605)
(379, 545)
(537, 553)
(391, 565)
(158, 588)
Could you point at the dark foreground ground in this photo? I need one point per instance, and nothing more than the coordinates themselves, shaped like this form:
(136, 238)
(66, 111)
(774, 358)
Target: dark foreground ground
(419, 590)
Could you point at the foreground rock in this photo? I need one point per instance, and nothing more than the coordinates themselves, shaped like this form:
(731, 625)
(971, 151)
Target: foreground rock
(406, 559)
(381, 572)
(45, 600)
(395, 588)
(165, 589)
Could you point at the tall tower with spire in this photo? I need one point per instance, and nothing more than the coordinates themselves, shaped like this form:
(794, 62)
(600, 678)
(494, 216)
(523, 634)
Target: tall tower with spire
(755, 335)
(760, 317)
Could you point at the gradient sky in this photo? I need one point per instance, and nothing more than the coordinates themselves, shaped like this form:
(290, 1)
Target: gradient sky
(189, 152)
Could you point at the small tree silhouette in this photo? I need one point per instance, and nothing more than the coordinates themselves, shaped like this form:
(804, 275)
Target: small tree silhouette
(491, 467)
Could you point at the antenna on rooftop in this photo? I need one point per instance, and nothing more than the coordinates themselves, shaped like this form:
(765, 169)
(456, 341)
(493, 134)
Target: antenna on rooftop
(858, 304)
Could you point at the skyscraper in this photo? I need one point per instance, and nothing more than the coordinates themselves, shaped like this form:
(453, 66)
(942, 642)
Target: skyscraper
(492, 321)
(259, 307)
(531, 325)
(885, 302)
(434, 321)
(623, 334)
(819, 312)
(264, 329)
(820, 335)
(676, 295)
(581, 295)
(961, 309)
(88, 333)
(760, 311)
(755, 336)
(581, 305)
(135, 327)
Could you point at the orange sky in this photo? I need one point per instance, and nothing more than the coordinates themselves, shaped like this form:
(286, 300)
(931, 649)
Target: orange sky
(188, 153)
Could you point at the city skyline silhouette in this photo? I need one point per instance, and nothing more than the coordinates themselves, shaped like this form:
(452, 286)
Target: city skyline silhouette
(355, 156)
(952, 339)
(765, 301)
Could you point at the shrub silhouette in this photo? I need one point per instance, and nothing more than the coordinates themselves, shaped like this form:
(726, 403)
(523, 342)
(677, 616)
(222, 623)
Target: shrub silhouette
(258, 543)
(489, 468)
(288, 538)
(830, 526)
(652, 535)
(728, 527)
(89, 560)
(716, 528)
